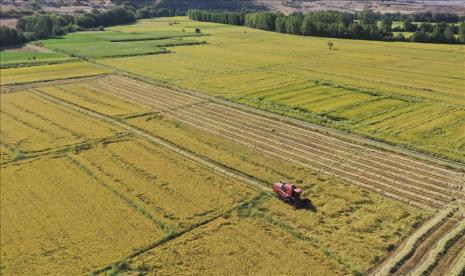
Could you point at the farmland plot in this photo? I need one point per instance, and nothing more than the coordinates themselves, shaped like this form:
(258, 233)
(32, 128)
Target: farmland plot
(30, 125)
(385, 173)
(16, 58)
(56, 219)
(49, 72)
(234, 245)
(141, 172)
(360, 87)
(82, 94)
(178, 192)
(119, 44)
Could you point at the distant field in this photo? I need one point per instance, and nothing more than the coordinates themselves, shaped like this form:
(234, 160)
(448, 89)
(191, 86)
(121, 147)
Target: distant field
(49, 72)
(377, 89)
(12, 56)
(118, 44)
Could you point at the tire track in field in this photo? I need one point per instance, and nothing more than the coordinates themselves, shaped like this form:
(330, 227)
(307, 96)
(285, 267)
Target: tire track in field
(451, 256)
(241, 177)
(174, 96)
(413, 251)
(407, 179)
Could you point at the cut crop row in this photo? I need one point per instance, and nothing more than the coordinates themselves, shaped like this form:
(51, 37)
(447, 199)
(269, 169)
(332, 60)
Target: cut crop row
(328, 151)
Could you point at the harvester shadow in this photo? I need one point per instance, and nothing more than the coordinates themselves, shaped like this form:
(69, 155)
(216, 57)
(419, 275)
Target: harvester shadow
(306, 204)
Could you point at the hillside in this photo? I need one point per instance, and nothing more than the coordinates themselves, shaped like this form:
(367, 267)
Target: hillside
(402, 6)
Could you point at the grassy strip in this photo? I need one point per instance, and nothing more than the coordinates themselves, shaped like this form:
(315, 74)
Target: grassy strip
(34, 63)
(134, 115)
(128, 201)
(458, 269)
(440, 249)
(57, 79)
(393, 264)
(295, 233)
(155, 38)
(120, 266)
(9, 88)
(60, 151)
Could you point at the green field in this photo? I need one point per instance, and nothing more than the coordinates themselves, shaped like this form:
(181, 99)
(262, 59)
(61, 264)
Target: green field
(408, 94)
(9, 56)
(17, 57)
(118, 44)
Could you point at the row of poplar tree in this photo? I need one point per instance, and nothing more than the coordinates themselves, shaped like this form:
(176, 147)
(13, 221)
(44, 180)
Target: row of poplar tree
(366, 25)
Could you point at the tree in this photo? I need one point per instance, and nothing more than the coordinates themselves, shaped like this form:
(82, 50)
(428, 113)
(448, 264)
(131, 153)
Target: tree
(10, 36)
(426, 27)
(368, 17)
(293, 25)
(44, 27)
(280, 24)
(308, 26)
(449, 36)
(462, 32)
(355, 30)
(420, 36)
(399, 37)
(330, 45)
(386, 25)
(409, 26)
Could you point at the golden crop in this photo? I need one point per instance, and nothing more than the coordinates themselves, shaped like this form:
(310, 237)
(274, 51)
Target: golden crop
(49, 72)
(31, 124)
(237, 245)
(366, 87)
(56, 219)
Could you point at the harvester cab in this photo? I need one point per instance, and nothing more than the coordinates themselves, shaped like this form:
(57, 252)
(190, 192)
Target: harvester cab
(290, 194)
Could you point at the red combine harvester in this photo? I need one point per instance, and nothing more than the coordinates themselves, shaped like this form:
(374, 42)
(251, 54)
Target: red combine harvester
(290, 194)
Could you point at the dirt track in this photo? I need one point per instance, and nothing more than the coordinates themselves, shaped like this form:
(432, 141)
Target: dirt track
(390, 174)
(425, 245)
(449, 258)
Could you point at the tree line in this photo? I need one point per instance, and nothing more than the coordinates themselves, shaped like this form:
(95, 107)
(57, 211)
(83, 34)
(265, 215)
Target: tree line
(363, 25)
(430, 17)
(43, 26)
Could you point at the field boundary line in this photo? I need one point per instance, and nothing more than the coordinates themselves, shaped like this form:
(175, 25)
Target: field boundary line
(130, 203)
(215, 166)
(350, 137)
(61, 150)
(37, 63)
(174, 235)
(441, 247)
(13, 87)
(408, 246)
(457, 269)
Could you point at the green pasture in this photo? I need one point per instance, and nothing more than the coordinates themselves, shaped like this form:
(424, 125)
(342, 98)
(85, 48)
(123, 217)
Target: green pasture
(118, 44)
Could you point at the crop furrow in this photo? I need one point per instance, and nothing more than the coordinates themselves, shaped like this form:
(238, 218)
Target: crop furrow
(323, 150)
(441, 175)
(297, 147)
(326, 164)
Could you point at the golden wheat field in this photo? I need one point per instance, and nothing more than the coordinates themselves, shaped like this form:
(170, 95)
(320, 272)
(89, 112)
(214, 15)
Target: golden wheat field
(49, 72)
(380, 90)
(57, 219)
(109, 167)
(173, 194)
